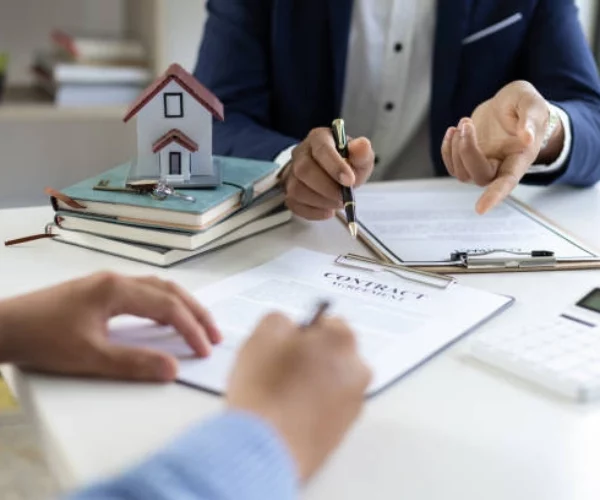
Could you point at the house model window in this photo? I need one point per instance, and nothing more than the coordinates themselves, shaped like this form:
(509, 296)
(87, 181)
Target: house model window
(174, 105)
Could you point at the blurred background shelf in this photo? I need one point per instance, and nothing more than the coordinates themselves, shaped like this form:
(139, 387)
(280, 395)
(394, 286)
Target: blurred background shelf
(43, 144)
(30, 103)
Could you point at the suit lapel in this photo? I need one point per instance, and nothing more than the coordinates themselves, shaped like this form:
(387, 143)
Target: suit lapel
(340, 13)
(451, 29)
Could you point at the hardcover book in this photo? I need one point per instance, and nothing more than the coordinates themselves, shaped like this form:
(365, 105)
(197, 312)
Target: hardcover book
(162, 256)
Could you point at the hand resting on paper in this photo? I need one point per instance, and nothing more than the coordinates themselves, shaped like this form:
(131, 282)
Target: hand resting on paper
(308, 384)
(312, 180)
(64, 329)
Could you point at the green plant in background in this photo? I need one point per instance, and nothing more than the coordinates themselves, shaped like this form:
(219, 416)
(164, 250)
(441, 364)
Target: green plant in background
(3, 62)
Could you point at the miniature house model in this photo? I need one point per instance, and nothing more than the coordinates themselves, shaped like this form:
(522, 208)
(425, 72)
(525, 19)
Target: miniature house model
(174, 131)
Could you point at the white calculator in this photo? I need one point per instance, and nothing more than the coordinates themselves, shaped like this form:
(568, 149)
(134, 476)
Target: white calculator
(561, 354)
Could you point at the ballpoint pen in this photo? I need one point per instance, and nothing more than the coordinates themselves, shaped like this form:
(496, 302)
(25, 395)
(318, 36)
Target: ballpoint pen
(321, 310)
(341, 144)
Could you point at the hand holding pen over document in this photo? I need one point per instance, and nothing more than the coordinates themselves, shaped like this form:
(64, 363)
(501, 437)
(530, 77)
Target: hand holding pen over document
(317, 171)
(307, 381)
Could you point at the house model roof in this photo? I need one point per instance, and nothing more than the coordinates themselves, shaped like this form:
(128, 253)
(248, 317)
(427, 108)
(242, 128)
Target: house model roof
(177, 136)
(188, 82)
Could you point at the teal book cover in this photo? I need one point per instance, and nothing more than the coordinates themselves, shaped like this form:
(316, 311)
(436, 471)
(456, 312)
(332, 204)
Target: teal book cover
(261, 200)
(239, 175)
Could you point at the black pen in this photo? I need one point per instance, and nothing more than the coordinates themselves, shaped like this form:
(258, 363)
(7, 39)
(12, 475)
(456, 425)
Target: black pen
(341, 143)
(321, 309)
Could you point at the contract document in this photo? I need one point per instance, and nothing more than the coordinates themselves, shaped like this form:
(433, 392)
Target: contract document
(399, 324)
(429, 226)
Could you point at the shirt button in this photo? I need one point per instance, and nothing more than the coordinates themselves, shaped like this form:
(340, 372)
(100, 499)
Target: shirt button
(390, 106)
(398, 47)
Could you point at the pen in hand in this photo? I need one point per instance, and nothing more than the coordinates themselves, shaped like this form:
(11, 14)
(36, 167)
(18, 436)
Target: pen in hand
(341, 143)
(320, 312)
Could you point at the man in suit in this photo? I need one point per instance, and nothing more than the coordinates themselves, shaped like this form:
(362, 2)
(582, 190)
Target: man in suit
(495, 92)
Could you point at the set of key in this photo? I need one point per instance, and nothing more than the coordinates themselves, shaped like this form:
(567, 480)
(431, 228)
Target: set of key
(158, 189)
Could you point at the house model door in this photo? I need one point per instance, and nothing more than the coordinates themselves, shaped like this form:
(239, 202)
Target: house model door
(175, 163)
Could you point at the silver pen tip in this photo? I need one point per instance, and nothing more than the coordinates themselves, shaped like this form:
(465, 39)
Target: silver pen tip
(353, 227)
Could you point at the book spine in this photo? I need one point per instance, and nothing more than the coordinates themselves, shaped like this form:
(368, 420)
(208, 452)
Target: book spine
(65, 42)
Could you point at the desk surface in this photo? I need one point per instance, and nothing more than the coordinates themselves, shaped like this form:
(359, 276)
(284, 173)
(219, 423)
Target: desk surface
(453, 429)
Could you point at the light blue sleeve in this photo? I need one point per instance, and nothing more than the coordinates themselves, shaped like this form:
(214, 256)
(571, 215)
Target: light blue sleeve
(232, 456)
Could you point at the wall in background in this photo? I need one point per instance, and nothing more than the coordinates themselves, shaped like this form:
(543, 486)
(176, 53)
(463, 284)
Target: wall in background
(184, 21)
(56, 153)
(588, 14)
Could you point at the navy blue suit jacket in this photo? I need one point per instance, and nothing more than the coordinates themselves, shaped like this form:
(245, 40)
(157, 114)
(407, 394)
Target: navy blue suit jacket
(279, 68)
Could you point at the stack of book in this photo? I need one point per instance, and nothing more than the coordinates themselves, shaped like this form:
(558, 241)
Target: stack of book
(84, 70)
(162, 233)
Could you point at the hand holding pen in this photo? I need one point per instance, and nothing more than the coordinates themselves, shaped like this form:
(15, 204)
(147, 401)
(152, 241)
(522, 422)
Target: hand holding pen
(307, 381)
(313, 178)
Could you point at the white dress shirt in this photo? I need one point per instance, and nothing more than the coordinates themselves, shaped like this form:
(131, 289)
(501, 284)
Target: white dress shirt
(387, 93)
(388, 79)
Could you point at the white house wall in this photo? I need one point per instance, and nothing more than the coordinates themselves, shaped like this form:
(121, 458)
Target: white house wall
(196, 123)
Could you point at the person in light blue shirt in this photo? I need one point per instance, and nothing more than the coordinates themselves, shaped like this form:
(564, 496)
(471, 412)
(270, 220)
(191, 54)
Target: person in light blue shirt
(292, 397)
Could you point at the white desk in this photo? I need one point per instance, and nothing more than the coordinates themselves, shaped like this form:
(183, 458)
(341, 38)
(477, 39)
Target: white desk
(453, 429)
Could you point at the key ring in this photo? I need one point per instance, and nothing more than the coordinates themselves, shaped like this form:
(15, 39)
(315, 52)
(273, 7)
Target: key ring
(162, 191)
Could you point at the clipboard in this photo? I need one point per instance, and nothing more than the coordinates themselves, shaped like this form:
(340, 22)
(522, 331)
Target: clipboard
(496, 261)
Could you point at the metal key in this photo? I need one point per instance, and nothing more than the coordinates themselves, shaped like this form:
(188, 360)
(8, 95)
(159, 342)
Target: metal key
(140, 187)
(159, 190)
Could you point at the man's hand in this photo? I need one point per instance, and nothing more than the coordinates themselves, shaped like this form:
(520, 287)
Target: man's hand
(63, 329)
(498, 144)
(312, 180)
(308, 384)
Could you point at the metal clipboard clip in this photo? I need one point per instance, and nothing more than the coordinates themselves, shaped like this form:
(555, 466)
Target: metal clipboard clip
(370, 265)
(513, 259)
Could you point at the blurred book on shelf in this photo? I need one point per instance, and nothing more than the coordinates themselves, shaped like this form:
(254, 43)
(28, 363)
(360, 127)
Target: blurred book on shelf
(82, 71)
(98, 48)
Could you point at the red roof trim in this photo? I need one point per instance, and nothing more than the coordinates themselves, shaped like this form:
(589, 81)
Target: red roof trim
(177, 136)
(188, 82)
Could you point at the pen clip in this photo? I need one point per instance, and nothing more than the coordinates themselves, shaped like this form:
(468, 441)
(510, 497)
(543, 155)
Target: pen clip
(370, 265)
(338, 130)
